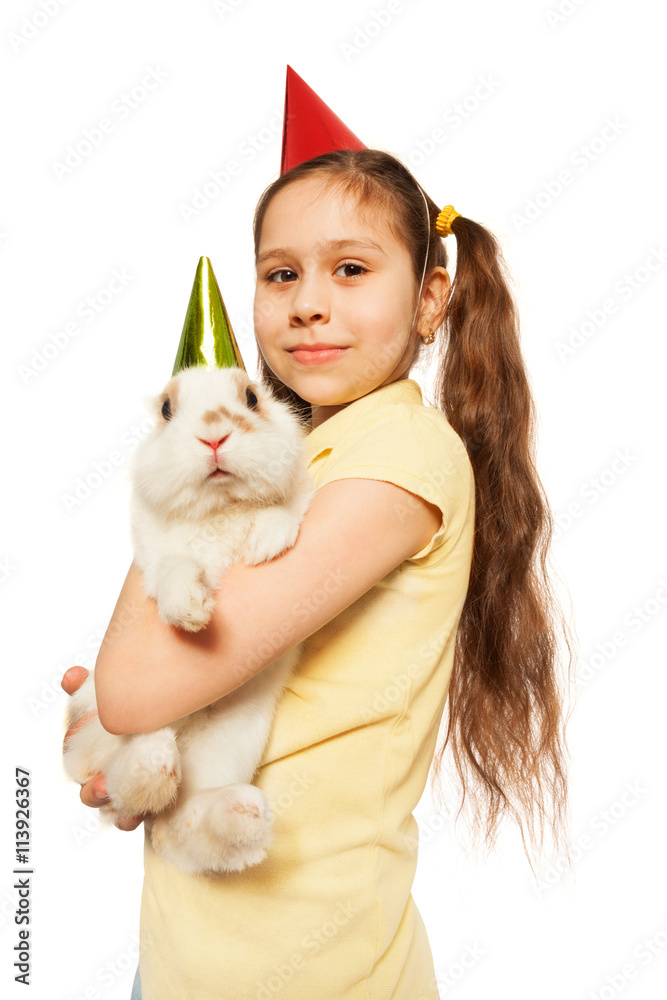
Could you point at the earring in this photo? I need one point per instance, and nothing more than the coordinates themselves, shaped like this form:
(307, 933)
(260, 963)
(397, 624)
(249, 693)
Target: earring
(428, 339)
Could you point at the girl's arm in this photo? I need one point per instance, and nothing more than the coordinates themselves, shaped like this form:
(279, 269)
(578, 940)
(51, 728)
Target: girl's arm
(355, 532)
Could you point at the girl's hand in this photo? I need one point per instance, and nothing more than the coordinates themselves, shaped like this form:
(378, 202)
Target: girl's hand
(94, 792)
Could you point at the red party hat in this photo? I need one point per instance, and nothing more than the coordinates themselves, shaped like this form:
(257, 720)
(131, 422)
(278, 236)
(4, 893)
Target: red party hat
(310, 127)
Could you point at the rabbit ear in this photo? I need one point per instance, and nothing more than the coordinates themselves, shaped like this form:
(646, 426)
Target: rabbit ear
(153, 404)
(149, 402)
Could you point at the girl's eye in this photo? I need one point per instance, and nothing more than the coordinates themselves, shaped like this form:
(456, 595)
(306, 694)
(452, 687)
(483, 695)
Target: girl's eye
(283, 275)
(358, 267)
(275, 275)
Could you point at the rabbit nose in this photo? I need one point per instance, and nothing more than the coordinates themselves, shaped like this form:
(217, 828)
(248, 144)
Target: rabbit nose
(214, 444)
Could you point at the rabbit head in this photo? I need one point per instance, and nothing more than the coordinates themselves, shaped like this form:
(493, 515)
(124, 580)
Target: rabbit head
(220, 438)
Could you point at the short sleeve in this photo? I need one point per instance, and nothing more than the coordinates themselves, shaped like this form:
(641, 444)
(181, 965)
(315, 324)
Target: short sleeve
(413, 447)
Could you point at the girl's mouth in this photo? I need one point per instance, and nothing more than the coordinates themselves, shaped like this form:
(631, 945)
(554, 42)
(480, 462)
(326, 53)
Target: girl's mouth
(319, 357)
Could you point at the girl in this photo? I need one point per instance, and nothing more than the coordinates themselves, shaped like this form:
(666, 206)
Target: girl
(419, 572)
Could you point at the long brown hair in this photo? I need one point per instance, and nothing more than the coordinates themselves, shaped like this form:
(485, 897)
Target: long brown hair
(506, 722)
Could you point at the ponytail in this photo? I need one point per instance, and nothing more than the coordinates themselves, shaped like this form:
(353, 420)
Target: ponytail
(506, 725)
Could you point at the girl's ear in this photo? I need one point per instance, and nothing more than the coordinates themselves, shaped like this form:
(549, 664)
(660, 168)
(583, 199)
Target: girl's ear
(435, 296)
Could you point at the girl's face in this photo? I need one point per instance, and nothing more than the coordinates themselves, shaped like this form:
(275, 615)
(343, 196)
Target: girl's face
(328, 277)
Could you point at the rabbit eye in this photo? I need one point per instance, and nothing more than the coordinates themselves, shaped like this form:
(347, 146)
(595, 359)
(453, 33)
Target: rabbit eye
(166, 409)
(251, 399)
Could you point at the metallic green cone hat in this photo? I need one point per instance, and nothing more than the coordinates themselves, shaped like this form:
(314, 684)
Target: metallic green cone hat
(207, 338)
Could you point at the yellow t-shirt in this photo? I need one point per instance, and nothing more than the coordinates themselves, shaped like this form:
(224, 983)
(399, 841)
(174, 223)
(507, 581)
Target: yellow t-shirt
(329, 914)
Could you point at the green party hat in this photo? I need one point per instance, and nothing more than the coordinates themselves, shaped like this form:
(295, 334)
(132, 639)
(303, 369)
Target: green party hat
(207, 338)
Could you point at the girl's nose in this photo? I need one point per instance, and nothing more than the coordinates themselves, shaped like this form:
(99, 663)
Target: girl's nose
(310, 303)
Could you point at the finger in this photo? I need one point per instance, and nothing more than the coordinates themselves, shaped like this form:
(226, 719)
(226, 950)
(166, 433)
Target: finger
(128, 822)
(73, 679)
(94, 792)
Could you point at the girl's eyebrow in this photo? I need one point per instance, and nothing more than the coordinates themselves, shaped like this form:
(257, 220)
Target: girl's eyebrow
(329, 245)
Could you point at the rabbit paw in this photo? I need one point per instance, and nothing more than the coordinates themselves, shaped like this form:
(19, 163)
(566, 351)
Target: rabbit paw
(218, 830)
(241, 818)
(144, 776)
(187, 605)
(273, 532)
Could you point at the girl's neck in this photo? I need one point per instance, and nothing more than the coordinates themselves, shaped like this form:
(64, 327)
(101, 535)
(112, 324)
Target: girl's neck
(321, 413)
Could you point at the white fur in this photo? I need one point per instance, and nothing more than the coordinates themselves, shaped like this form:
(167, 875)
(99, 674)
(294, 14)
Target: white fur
(188, 527)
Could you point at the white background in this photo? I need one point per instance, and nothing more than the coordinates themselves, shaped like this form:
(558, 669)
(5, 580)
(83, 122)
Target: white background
(538, 90)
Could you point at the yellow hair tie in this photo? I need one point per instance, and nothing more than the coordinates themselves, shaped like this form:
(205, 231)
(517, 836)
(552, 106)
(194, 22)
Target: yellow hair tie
(443, 224)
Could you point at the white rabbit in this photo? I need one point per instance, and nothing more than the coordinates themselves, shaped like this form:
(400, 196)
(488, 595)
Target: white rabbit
(219, 478)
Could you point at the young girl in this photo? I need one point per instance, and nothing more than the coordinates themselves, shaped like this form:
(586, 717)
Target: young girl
(418, 573)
